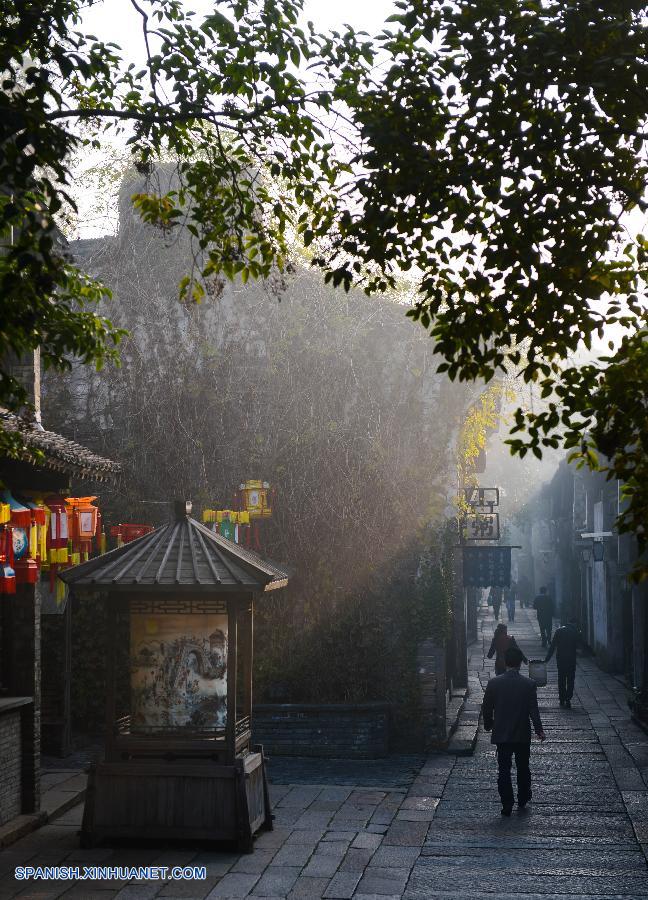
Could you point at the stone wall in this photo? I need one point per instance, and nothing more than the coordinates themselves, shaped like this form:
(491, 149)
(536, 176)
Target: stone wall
(332, 730)
(27, 370)
(10, 765)
(23, 648)
(431, 665)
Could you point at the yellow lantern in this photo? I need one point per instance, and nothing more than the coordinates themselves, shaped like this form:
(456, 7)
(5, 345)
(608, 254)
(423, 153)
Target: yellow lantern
(255, 499)
(43, 534)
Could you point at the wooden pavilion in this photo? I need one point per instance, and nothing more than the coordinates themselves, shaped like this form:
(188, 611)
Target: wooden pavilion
(179, 761)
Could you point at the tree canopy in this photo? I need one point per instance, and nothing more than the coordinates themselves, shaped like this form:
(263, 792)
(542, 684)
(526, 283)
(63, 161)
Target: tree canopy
(220, 97)
(497, 148)
(502, 146)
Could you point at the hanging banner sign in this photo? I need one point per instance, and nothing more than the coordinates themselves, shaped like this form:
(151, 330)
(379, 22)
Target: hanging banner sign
(481, 527)
(487, 566)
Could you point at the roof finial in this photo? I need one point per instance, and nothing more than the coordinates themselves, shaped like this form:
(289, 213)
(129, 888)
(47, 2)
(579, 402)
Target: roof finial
(182, 509)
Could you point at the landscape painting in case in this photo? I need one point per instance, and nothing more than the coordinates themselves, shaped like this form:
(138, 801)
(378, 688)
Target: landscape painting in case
(178, 672)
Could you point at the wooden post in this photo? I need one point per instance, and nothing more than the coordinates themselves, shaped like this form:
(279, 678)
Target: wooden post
(460, 669)
(111, 703)
(244, 832)
(66, 735)
(248, 650)
(230, 729)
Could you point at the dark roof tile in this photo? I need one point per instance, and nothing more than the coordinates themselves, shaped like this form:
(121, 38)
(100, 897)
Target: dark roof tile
(180, 554)
(59, 452)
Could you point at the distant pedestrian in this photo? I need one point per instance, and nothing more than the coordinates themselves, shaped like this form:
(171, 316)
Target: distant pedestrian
(499, 645)
(565, 643)
(544, 606)
(510, 704)
(495, 600)
(509, 599)
(524, 591)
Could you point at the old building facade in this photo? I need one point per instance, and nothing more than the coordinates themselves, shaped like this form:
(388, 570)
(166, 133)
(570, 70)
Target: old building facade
(34, 627)
(575, 549)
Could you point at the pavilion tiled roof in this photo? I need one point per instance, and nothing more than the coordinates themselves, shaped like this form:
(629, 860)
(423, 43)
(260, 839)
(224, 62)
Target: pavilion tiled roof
(59, 453)
(180, 554)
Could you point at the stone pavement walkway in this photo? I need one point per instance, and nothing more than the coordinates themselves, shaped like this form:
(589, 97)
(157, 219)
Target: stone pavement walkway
(584, 836)
(419, 828)
(62, 787)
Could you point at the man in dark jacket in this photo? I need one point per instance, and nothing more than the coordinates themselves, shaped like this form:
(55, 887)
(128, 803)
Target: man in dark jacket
(510, 704)
(544, 606)
(565, 643)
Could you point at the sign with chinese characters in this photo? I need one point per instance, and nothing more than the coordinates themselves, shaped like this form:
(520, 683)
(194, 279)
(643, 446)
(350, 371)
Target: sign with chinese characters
(487, 566)
(481, 496)
(481, 527)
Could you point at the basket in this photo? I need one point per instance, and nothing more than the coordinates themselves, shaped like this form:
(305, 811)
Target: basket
(538, 671)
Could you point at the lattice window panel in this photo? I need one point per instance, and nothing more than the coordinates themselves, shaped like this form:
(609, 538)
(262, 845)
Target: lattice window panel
(159, 606)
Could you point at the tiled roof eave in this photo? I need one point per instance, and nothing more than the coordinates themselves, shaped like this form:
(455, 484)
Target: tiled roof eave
(162, 587)
(178, 556)
(245, 557)
(275, 584)
(60, 454)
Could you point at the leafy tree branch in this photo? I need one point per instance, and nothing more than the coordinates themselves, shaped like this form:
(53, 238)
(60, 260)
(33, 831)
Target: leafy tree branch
(501, 146)
(218, 96)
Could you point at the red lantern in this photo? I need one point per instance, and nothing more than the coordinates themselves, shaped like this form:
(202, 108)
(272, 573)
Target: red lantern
(7, 580)
(7, 572)
(125, 533)
(20, 515)
(57, 539)
(58, 535)
(37, 531)
(38, 513)
(26, 571)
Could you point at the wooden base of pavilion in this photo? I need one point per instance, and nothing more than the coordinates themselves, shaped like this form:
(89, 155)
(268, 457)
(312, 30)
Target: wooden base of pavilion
(180, 799)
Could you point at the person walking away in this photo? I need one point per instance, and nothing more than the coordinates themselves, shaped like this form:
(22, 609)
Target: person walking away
(499, 645)
(523, 591)
(544, 606)
(509, 599)
(496, 600)
(510, 706)
(565, 643)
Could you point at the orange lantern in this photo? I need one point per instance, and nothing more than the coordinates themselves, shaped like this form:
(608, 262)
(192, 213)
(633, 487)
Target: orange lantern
(83, 520)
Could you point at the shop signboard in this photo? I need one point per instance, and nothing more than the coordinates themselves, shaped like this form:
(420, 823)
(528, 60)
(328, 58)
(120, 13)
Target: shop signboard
(486, 566)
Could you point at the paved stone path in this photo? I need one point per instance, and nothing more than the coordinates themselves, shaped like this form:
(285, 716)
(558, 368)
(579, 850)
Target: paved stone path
(62, 787)
(59, 787)
(586, 832)
(412, 828)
